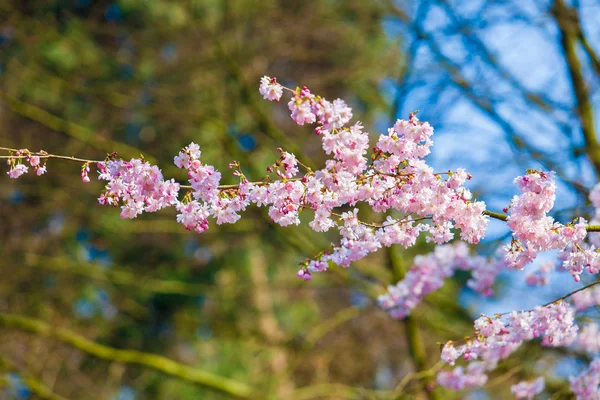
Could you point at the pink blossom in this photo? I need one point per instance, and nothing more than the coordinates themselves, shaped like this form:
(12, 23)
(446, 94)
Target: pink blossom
(586, 298)
(40, 170)
(17, 170)
(333, 115)
(588, 339)
(193, 215)
(301, 111)
(34, 161)
(459, 378)
(496, 339)
(429, 272)
(84, 173)
(304, 274)
(270, 89)
(540, 277)
(322, 221)
(290, 164)
(585, 385)
(137, 185)
(535, 232)
(528, 390)
(449, 353)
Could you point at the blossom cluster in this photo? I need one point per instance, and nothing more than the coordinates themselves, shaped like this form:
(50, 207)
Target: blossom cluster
(135, 185)
(534, 231)
(18, 168)
(397, 179)
(528, 390)
(270, 89)
(429, 272)
(588, 339)
(586, 298)
(473, 375)
(586, 385)
(495, 339)
(208, 200)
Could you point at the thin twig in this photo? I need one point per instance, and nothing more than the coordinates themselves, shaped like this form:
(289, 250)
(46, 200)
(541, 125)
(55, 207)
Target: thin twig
(43, 154)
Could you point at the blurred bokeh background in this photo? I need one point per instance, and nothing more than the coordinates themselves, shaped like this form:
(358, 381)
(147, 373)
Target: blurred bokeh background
(508, 85)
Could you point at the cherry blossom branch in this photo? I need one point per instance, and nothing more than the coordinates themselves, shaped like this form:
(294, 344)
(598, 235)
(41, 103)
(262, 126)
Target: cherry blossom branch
(550, 303)
(44, 155)
(503, 217)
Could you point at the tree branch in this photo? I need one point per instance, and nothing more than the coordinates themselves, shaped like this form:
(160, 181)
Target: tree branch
(568, 27)
(38, 388)
(72, 129)
(416, 345)
(156, 362)
(115, 276)
(504, 217)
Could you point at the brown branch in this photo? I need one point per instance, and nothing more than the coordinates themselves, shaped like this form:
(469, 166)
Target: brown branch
(593, 56)
(567, 23)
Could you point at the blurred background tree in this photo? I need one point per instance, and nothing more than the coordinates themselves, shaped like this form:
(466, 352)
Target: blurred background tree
(86, 78)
